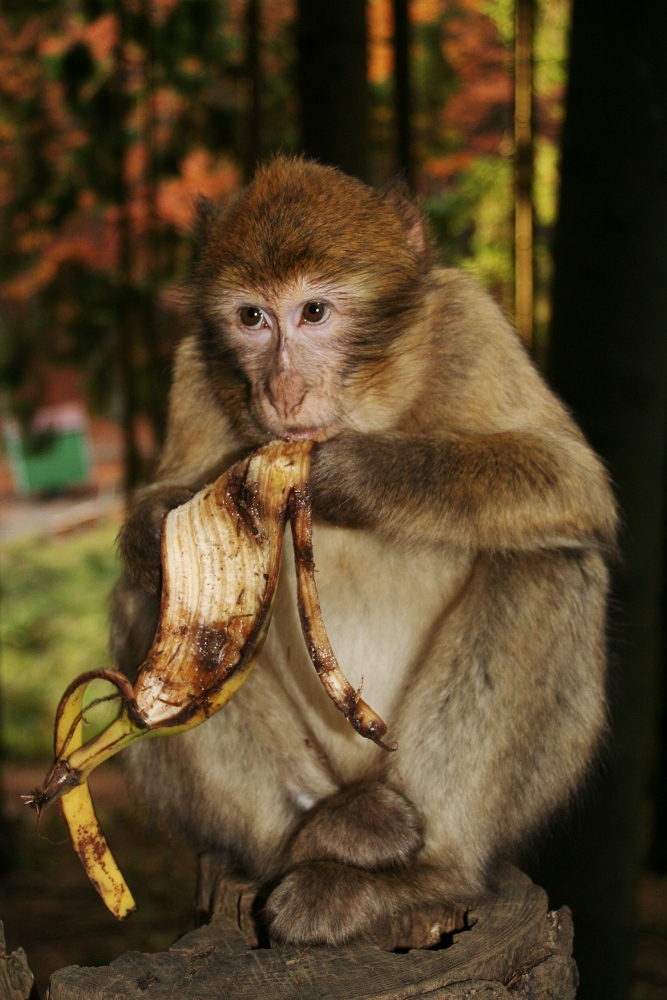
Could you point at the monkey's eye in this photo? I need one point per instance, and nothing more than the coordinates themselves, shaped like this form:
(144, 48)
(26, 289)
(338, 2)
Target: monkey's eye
(315, 312)
(252, 317)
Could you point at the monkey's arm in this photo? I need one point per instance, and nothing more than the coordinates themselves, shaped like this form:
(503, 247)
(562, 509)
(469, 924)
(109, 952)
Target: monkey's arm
(496, 491)
(140, 537)
(135, 604)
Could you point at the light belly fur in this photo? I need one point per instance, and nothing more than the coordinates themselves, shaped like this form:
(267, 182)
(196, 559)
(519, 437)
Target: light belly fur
(281, 745)
(381, 607)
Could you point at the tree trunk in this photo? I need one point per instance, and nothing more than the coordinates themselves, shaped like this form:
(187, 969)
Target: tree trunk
(333, 89)
(253, 72)
(608, 360)
(658, 853)
(512, 938)
(155, 396)
(402, 89)
(125, 305)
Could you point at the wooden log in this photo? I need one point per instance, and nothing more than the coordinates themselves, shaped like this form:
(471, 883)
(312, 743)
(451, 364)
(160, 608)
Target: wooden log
(16, 979)
(513, 947)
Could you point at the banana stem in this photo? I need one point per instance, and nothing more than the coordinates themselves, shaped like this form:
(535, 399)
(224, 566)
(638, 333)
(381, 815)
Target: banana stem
(72, 768)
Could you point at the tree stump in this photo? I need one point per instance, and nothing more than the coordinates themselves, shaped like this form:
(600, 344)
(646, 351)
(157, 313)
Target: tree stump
(16, 979)
(508, 946)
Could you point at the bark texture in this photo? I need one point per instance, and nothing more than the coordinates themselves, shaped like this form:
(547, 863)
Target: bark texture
(608, 360)
(515, 948)
(333, 91)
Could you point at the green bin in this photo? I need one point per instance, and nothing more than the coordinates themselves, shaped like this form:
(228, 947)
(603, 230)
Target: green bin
(58, 461)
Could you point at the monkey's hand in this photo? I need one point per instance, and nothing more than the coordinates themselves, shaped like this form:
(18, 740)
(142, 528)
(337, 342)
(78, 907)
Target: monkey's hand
(337, 475)
(139, 540)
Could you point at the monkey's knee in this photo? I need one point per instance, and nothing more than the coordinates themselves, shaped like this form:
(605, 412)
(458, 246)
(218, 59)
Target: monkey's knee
(374, 827)
(134, 615)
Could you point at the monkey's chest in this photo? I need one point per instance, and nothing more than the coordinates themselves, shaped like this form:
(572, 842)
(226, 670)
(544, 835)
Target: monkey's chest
(381, 608)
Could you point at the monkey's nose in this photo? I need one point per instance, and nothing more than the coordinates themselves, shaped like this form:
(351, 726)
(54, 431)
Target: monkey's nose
(286, 400)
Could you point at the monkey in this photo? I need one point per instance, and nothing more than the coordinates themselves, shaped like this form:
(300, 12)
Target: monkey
(463, 529)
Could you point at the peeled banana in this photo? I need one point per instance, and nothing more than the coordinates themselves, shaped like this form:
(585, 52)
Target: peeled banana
(221, 555)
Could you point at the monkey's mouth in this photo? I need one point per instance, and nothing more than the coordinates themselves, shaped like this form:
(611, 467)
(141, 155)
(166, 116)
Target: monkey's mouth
(309, 433)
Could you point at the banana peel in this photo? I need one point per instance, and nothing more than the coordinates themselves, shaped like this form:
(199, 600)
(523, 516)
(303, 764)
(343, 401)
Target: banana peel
(221, 554)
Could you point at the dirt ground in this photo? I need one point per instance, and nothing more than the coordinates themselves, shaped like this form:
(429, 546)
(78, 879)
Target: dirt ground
(50, 909)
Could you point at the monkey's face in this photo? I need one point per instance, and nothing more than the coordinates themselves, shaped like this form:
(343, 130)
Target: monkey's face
(303, 285)
(291, 344)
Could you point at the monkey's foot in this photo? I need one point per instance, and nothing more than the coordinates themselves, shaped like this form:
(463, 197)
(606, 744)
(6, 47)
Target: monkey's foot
(323, 902)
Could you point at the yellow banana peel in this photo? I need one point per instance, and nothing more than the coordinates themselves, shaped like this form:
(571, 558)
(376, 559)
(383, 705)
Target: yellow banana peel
(221, 555)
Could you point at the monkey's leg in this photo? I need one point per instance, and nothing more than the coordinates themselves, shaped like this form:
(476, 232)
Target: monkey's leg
(324, 902)
(495, 731)
(371, 826)
(503, 721)
(351, 866)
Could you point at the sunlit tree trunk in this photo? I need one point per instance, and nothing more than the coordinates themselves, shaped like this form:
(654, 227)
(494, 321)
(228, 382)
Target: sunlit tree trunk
(333, 88)
(608, 359)
(155, 396)
(523, 183)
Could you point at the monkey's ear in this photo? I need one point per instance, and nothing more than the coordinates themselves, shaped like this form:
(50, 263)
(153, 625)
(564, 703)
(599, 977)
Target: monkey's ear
(397, 195)
(206, 214)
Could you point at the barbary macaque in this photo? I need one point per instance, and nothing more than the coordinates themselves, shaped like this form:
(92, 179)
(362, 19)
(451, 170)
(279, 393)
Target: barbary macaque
(462, 525)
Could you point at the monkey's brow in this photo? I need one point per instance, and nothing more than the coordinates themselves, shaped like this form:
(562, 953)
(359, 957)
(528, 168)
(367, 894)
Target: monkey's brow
(303, 288)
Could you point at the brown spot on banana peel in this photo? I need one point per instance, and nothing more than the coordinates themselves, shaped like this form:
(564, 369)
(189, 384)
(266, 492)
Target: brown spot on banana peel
(242, 499)
(358, 712)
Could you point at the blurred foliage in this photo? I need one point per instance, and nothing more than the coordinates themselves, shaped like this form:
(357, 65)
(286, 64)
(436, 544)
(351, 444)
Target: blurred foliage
(55, 605)
(115, 114)
(475, 225)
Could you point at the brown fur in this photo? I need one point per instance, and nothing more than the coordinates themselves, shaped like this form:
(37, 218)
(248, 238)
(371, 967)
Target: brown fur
(328, 903)
(463, 524)
(139, 540)
(369, 826)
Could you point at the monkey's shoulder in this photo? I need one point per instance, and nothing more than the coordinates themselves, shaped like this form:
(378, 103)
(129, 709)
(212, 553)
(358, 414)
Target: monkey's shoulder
(480, 376)
(464, 313)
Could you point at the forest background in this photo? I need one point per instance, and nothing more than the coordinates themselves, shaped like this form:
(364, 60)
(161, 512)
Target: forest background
(112, 125)
(115, 114)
